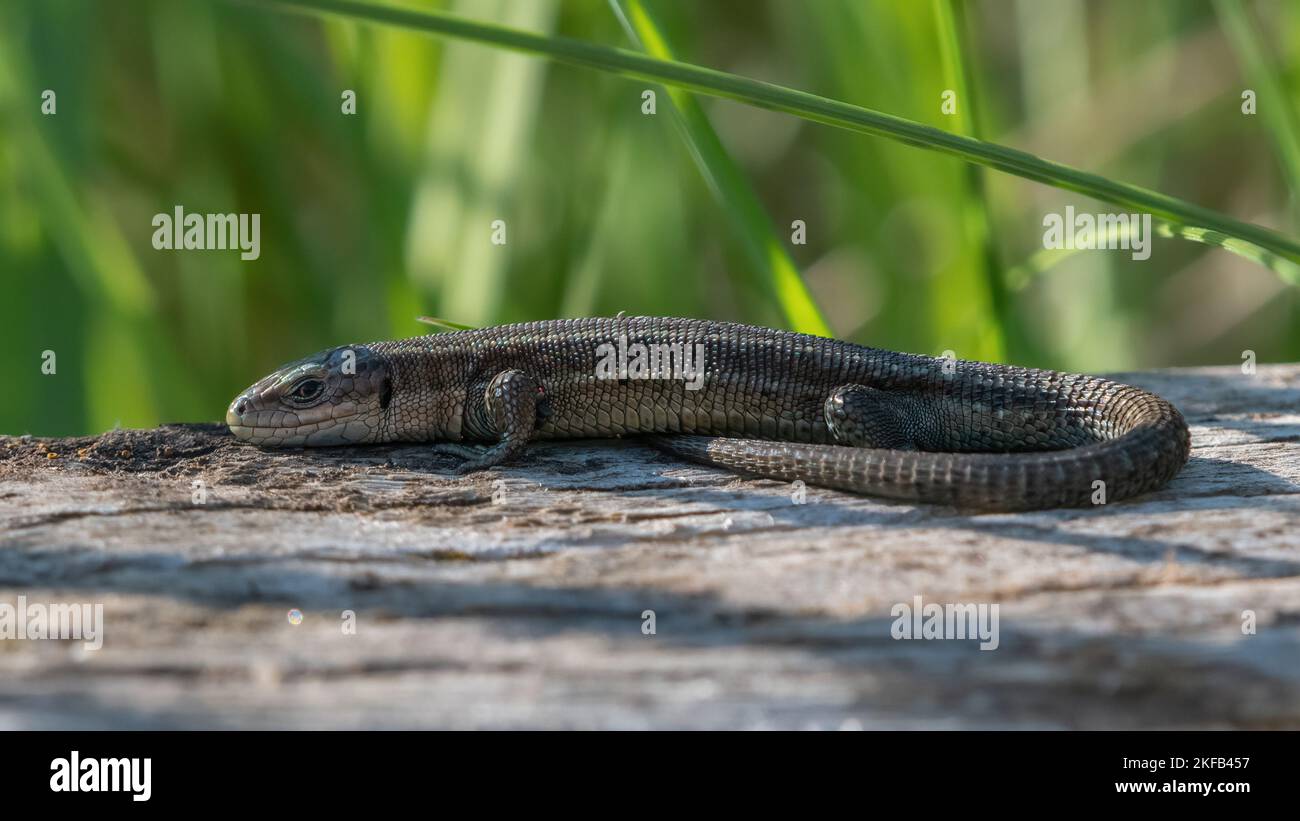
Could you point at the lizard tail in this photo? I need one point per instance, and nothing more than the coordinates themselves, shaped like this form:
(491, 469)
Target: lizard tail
(1147, 452)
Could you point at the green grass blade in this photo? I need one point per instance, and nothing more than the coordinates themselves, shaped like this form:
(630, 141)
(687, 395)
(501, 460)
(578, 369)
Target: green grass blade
(1286, 271)
(445, 324)
(1272, 101)
(1278, 252)
(1019, 276)
(728, 183)
(485, 108)
(975, 206)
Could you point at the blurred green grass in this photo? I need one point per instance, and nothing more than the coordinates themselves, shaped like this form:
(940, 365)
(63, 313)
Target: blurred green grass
(369, 221)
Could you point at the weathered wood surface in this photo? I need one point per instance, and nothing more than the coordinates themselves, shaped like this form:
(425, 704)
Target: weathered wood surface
(525, 610)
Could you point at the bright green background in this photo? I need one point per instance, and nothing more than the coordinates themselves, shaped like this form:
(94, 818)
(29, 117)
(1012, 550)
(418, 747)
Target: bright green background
(371, 220)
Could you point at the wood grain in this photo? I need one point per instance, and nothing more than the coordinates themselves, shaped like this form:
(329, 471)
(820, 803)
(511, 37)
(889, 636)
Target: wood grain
(514, 598)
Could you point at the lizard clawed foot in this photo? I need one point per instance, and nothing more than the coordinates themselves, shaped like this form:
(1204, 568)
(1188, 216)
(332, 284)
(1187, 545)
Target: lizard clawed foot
(510, 404)
(477, 457)
(468, 452)
(490, 457)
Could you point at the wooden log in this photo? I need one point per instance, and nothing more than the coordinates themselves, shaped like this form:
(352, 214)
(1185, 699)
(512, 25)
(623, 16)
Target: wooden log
(520, 597)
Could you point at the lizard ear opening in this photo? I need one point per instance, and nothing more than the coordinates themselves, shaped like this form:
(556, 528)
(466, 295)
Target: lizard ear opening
(385, 393)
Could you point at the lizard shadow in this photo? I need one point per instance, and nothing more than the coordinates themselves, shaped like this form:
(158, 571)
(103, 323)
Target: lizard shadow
(1235, 486)
(1205, 485)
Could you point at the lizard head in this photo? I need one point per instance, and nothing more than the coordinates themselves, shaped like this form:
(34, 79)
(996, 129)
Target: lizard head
(336, 397)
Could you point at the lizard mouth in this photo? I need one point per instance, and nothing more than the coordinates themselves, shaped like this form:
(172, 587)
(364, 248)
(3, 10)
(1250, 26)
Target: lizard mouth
(286, 429)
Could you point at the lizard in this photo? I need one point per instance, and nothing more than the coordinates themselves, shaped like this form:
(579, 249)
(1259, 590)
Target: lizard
(757, 401)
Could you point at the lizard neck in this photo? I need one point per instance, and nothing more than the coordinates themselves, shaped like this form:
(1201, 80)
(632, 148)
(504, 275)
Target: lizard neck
(428, 398)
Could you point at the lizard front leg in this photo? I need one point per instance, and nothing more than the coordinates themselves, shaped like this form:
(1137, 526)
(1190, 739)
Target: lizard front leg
(511, 404)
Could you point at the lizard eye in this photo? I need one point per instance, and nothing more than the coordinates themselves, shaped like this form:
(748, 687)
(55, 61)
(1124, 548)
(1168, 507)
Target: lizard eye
(306, 390)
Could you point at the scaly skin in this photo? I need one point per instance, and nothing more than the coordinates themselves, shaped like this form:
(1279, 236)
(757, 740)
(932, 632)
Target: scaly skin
(771, 403)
